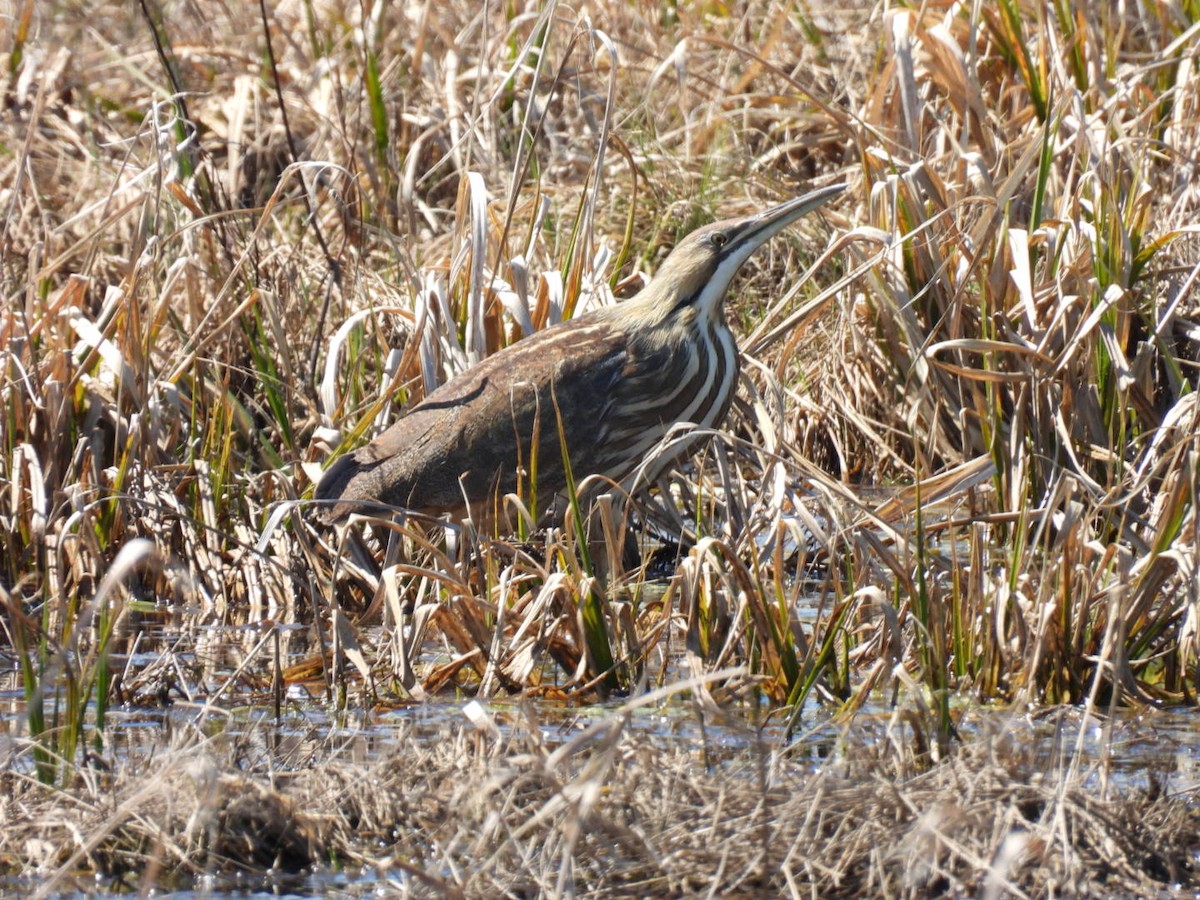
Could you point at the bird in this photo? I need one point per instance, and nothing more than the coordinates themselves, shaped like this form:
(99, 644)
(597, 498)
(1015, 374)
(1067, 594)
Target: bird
(609, 384)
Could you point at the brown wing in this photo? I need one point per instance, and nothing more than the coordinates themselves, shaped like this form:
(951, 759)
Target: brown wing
(469, 437)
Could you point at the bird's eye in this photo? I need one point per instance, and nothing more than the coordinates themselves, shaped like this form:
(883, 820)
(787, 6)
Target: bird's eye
(718, 239)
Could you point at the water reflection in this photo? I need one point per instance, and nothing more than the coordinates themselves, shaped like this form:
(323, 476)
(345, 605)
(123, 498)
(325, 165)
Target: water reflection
(172, 674)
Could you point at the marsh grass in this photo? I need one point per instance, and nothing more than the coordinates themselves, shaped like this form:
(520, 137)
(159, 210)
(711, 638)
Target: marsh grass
(967, 424)
(508, 806)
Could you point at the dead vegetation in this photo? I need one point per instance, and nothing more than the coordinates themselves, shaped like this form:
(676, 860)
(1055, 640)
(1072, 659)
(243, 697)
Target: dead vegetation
(613, 811)
(967, 432)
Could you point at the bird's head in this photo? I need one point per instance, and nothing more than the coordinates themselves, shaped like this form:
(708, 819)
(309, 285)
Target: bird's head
(697, 273)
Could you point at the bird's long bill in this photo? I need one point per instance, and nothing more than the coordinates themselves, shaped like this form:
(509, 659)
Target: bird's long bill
(755, 230)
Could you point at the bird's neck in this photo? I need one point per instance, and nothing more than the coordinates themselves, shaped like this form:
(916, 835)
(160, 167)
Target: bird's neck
(657, 307)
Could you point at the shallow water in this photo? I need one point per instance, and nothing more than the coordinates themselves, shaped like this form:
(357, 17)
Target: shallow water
(1143, 750)
(1128, 747)
(179, 674)
(171, 669)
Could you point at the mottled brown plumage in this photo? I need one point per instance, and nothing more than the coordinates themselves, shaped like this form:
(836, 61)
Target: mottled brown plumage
(619, 377)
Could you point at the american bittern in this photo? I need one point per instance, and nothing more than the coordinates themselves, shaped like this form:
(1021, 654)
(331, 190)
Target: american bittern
(617, 379)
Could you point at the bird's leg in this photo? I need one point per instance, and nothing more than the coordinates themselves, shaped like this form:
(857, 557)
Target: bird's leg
(612, 544)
